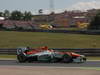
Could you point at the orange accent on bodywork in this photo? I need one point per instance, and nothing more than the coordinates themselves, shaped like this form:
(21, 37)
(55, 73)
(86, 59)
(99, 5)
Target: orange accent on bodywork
(75, 54)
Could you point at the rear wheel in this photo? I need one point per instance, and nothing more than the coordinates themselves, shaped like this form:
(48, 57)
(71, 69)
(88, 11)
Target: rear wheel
(21, 58)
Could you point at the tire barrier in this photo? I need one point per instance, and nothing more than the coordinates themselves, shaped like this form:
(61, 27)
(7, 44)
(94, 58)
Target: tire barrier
(84, 51)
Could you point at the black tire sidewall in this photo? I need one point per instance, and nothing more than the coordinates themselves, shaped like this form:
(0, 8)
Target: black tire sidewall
(21, 58)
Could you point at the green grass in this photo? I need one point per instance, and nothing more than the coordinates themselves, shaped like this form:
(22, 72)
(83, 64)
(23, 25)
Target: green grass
(8, 56)
(93, 58)
(11, 39)
(90, 68)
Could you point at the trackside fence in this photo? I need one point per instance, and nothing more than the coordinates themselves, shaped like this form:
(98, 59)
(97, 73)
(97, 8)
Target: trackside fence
(85, 51)
(89, 32)
(8, 51)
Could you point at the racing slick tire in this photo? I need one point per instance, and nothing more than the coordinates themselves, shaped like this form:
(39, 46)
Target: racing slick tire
(67, 58)
(21, 58)
(83, 60)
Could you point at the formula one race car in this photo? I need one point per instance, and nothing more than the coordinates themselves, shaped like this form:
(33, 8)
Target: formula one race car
(47, 55)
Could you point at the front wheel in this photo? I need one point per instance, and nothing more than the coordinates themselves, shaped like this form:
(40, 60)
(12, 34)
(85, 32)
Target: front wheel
(83, 60)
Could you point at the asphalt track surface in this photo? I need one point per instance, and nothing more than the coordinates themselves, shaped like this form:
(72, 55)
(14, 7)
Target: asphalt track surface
(16, 63)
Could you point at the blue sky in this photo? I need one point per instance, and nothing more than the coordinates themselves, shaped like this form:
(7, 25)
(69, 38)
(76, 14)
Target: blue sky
(35, 5)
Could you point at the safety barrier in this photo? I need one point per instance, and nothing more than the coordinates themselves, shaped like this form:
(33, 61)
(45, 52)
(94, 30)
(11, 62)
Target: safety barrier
(85, 51)
(9, 51)
(90, 32)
